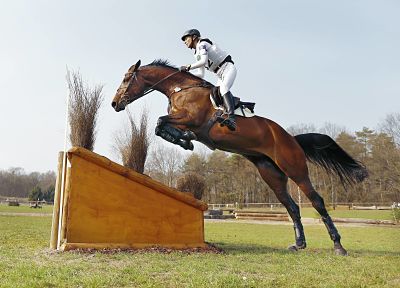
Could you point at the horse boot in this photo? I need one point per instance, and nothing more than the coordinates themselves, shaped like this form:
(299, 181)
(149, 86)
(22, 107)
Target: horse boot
(230, 109)
(335, 237)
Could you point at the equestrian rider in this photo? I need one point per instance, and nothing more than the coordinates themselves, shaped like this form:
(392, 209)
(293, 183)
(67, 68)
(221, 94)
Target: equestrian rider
(209, 56)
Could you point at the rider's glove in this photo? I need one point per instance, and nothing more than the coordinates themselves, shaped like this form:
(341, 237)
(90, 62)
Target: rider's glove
(184, 68)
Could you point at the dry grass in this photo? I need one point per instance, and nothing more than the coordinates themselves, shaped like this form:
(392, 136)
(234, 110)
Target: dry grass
(84, 106)
(133, 142)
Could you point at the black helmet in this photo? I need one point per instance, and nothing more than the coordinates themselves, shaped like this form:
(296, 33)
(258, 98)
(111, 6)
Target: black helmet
(191, 32)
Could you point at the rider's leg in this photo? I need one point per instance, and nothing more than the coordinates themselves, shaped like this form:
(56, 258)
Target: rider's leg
(226, 77)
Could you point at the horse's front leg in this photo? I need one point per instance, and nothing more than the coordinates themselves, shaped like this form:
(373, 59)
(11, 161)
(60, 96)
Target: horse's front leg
(166, 129)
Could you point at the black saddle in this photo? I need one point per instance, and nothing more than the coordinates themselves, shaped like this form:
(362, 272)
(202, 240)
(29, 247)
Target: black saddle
(217, 97)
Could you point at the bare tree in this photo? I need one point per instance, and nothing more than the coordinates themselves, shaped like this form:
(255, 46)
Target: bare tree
(391, 126)
(331, 129)
(84, 105)
(301, 128)
(164, 163)
(133, 143)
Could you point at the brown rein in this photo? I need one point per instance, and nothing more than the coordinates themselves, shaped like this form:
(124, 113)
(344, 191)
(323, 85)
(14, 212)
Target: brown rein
(152, 88)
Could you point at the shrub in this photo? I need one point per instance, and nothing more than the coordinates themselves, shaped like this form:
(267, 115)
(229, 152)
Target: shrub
(193, 183)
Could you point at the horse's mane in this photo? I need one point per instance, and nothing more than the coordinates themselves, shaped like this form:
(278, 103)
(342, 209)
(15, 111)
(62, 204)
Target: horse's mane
(162, 63)
(167, 64)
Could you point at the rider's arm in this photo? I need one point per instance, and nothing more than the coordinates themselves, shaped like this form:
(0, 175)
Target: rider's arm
(200, 62)
(201, 56)
(199, 72)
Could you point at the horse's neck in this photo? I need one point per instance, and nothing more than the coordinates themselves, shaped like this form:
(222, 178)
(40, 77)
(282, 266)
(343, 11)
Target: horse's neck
(179, 80)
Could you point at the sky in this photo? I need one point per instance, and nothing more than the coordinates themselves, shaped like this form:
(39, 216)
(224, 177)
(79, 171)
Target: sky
(301, 61)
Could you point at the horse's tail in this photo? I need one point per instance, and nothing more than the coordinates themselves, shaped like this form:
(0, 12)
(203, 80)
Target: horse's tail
(322, 150)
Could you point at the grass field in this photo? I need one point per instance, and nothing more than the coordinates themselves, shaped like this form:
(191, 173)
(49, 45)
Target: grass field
(306, 212)
(26, 209)
(346, 213)
(255, 256)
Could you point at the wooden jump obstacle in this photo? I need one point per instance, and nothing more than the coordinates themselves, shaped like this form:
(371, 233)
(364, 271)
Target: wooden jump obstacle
(107, 206)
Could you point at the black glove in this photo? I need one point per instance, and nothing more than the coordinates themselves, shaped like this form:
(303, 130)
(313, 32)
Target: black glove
(184, 68)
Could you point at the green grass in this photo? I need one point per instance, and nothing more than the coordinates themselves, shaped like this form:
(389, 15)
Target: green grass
(255, 256)
(341, 212)
(346, 213)
(26, 209)
(306, 212)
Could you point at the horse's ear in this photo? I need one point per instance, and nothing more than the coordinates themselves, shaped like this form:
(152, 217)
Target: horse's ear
(134, 67)
(137, 65)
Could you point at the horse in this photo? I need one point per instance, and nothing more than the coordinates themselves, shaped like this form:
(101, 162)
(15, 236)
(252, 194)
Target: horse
(276, 154)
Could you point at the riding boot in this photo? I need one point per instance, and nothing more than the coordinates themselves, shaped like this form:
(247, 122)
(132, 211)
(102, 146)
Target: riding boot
(230, 109)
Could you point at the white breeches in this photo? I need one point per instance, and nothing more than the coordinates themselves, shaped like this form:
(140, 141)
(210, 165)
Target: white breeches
(226, 76)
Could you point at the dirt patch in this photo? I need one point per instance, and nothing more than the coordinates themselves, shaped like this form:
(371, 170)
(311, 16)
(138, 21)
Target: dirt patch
(211, 248)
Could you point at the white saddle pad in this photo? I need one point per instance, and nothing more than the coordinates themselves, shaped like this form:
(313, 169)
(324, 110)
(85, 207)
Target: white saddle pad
(244, 112)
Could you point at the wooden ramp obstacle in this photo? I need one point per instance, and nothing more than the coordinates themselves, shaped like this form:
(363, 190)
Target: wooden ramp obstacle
(107, 206)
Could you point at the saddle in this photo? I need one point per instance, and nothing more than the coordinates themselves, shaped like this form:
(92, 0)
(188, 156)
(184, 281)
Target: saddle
(217, 100)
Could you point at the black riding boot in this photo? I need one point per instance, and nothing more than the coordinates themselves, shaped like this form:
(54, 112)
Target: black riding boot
(230, 109)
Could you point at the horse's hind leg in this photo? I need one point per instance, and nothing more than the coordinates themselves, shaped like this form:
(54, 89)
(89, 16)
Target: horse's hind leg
(277, 180)
(318, 203)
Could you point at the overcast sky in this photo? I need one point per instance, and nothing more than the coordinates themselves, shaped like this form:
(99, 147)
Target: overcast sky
(300, 61)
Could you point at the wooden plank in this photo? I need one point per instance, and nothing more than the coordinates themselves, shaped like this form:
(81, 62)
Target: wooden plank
(56, 207)
(137, 177)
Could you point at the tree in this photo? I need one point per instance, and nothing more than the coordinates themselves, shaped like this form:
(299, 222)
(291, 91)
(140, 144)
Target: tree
(36, 194)
(164, 163)
(385, 167)
(391, 126)
(194, 163)
(193, 183)
(301, 129)
(364, 137)
(332, 130)
(48, 195)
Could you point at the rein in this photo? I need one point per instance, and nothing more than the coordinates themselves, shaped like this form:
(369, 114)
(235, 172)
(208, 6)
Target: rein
(152, 88)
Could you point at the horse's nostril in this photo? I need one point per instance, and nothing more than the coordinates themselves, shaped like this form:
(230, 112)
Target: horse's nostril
(113, 104)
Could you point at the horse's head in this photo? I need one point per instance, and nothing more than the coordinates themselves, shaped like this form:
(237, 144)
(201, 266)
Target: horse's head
(131, 88)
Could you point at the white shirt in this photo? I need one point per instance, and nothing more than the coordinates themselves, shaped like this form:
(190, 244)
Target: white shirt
(208, 56)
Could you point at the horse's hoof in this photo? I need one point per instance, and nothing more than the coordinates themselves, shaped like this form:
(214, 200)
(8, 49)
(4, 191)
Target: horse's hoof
(190, 146)
(293, 248)
(341, 252)
(187, 145)
(296, 247)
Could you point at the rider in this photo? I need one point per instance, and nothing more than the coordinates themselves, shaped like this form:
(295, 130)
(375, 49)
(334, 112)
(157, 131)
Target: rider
(210, 56)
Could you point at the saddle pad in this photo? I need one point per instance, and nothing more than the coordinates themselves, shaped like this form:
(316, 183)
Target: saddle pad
(240, 111)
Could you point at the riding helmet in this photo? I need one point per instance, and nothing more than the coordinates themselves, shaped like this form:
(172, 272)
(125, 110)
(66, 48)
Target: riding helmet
(191, 32)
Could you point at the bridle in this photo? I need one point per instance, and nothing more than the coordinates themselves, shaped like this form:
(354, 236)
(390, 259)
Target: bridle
(147, 90)
(125, 98)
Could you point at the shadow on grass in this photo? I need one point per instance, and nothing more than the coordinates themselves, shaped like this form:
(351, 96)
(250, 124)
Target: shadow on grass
(251, 248)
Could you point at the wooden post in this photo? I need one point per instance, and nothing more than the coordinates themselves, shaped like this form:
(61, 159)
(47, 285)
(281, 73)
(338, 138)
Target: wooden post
(65, 205)
(56, 208)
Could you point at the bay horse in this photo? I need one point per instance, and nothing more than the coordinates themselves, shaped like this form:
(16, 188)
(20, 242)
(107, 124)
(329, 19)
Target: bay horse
(276, 154)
